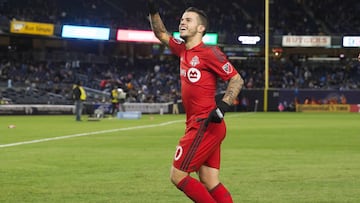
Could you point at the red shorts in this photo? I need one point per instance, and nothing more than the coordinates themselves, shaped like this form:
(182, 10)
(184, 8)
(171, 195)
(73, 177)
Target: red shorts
(200, 146)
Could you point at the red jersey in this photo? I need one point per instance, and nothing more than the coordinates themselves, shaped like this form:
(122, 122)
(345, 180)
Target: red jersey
(199, 69)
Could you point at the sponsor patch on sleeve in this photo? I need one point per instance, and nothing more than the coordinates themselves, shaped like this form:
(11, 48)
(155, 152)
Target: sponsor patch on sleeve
(228, 68)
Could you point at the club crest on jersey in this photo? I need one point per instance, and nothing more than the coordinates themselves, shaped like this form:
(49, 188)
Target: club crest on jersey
(227, 68)
(194, 61)
(193, 75)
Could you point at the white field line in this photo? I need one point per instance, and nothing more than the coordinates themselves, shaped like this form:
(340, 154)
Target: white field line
(99, 132)
(89, 133)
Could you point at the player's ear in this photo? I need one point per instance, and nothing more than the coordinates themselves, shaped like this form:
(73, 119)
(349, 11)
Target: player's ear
(201, 28)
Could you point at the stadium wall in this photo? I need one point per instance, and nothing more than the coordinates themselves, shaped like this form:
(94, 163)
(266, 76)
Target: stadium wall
(290, 97)
(249, 100)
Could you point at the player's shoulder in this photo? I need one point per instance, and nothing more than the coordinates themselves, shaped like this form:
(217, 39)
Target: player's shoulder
(214, 51)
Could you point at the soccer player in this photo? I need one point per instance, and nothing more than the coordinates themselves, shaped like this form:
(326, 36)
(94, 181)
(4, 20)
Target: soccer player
(200, 66)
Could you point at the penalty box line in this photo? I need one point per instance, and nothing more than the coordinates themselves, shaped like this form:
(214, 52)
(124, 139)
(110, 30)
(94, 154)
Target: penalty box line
(89, 133)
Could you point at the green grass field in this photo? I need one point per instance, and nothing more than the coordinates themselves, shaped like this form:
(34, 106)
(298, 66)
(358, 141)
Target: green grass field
(266, 157)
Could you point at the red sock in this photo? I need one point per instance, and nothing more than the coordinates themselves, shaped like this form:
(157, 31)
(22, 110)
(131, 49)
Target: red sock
(221, 194)
(195, 190)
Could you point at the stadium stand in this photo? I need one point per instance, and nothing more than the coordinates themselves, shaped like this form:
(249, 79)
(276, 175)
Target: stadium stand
(46, 76)
(293, 16)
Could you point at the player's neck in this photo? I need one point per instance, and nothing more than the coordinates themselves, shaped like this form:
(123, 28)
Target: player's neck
(192, 42)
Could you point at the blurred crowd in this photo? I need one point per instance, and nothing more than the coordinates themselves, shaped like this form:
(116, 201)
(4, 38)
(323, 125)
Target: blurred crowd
(155, 79)
(241, 16)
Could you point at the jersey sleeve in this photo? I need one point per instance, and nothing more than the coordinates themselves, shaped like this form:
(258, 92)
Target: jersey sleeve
(176, 46)
(219, 63)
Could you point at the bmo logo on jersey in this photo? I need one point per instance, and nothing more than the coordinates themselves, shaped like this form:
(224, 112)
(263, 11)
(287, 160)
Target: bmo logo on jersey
(193, 75)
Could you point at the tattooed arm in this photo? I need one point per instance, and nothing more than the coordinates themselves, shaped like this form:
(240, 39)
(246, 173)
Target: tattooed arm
(224, 105)
(233, 89)
(157, 24)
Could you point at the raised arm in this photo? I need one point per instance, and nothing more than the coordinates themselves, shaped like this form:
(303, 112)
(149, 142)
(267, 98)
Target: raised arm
(157, 24)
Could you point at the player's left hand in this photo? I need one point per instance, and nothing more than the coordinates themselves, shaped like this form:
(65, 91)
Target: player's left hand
(217, 114)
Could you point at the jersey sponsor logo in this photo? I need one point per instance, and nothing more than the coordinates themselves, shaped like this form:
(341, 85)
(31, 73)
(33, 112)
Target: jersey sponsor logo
(228, 68)
(194, 61)
(178, 153)
(193, 75)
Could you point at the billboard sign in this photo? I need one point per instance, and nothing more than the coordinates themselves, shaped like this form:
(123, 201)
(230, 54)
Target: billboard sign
(31, 28)
(85, 32)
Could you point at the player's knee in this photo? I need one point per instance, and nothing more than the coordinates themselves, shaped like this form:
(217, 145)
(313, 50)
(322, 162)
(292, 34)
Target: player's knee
(210, 180)
(209, 183)
(173, 179)
(176, 175)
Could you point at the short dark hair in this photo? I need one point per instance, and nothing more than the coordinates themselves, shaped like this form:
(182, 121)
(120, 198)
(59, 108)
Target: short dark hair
(202, 15)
